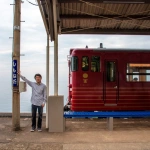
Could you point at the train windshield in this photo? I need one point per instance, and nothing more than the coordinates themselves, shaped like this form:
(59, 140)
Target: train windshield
(138, 72)
(85, 63)
(74, 63)
(95, 64)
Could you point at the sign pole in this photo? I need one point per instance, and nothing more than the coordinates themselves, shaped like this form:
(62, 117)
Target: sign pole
(16, 66)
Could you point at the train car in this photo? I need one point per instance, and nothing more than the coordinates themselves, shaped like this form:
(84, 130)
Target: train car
(109, 79)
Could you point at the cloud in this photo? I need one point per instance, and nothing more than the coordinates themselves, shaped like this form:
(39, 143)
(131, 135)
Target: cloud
(6, 25)
(33, 45)
(109, 41)
(2, 52)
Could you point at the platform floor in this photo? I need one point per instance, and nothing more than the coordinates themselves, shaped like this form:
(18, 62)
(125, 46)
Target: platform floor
(80, 134)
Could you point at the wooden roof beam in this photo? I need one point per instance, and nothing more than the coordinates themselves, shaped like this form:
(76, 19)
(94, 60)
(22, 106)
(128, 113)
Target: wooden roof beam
(117, 17)
(106, 31)
(50, 19)
(107, 1)
(43, 17)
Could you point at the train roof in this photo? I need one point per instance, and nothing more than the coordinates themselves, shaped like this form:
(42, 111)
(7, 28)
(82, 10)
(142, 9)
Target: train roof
(110, 49)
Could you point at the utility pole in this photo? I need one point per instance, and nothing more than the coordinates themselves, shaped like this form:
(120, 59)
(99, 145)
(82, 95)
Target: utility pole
(16, 66)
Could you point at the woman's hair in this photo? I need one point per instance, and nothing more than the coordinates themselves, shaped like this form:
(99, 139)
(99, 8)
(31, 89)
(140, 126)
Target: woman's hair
(37, 75)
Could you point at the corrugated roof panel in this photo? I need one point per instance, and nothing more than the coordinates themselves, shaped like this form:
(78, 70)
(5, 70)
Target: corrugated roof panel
(77, 23)
(93, 23)
(67, 24)
(86, 8)
(123, 9)
(62, 10)
(131, 24)
(124, 25)
(113, 9)
(136, 9)
(74, 23)
(98, 23)
(62, 23)
(117, 26)
(99, 9)
(82, 7)
(134, 24)
(105, 24)
(66, 6)
(145, 24)
(83, 23)
(120, 20)
(78, 8)
(148, 10)
(71, 8)
(95, 9)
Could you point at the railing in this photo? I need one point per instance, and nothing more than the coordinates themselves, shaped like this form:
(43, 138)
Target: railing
(108, 114)
(115, 114)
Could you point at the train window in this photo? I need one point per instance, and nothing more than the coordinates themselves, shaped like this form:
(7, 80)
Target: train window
(74, 63)
(138, 72)
(111, 71)
(95, 64)
(85, 63)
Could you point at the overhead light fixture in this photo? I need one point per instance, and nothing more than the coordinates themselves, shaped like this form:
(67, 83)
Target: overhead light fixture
(124, 2)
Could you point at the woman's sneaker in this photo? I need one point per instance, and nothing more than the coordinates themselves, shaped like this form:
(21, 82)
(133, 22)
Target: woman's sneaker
(39, 130)
(32, 130)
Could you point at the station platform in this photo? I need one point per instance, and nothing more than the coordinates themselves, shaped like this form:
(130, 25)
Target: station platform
(80, 134)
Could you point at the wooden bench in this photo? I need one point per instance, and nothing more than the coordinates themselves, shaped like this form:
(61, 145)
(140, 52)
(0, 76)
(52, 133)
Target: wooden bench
(108, 114)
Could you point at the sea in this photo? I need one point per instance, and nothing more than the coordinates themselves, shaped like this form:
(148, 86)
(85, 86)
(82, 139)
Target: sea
(25, 97)
(29, 71)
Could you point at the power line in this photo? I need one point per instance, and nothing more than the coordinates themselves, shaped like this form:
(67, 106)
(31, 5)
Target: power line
(32, 3)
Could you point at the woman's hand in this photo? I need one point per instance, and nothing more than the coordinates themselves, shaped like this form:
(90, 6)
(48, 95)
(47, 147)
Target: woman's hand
(43, 104)
(19, 73)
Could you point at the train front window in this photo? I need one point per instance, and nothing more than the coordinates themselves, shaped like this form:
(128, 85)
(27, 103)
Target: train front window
(138, 72)
(85, 63)
(74, 63)
(95, 64)
(111, 71)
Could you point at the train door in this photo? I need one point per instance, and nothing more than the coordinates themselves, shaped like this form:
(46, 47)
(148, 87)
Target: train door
(110, 83)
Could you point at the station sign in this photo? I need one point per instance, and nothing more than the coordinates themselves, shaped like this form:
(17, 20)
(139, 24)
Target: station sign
(14, 73)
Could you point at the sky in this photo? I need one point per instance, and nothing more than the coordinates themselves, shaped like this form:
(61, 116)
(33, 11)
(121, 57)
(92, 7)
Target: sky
(33, 46)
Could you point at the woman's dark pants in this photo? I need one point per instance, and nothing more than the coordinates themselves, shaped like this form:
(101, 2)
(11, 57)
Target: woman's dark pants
(40, 113)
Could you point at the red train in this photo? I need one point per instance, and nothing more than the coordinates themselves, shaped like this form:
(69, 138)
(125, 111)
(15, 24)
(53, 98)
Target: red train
(109, 79)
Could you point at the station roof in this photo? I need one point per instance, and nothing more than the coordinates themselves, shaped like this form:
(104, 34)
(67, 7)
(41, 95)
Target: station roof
(130, 17)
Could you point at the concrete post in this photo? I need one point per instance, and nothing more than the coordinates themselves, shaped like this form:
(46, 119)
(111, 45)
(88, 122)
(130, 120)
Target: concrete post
(47, 78)
(56, 114)
(16, 57)
(110, 123)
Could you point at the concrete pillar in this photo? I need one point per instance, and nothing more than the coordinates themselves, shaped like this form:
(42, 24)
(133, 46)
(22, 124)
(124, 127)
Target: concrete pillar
(56, 66)
(56, 113)
(110, 123)
(16, 58)
(55, 48)
(47, 78)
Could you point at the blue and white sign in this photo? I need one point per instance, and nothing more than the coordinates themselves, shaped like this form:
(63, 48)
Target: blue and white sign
(14, 73)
